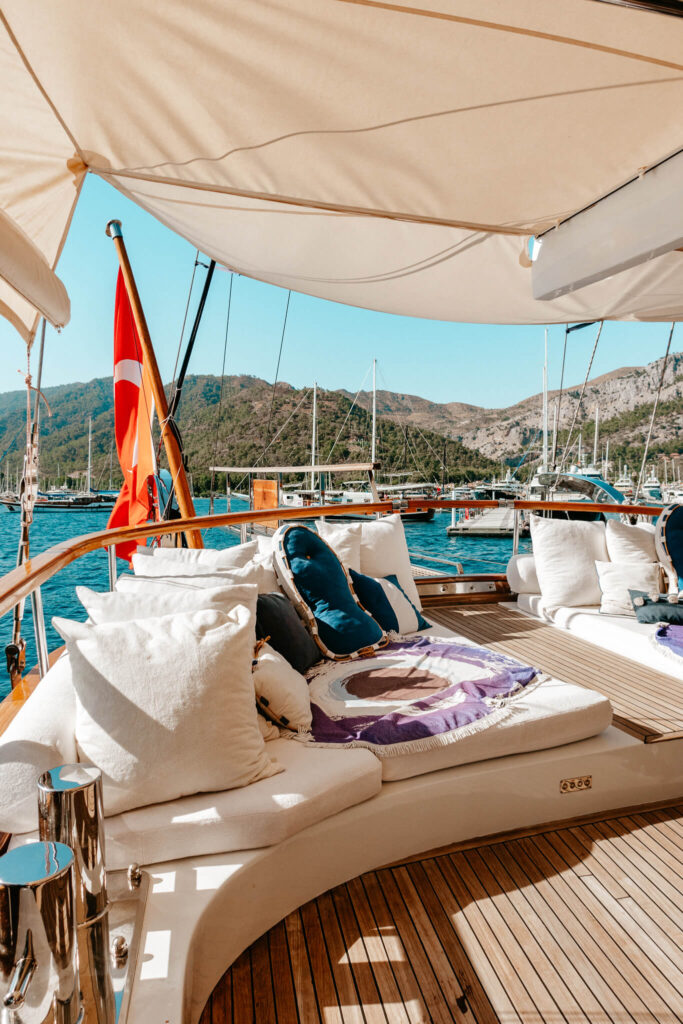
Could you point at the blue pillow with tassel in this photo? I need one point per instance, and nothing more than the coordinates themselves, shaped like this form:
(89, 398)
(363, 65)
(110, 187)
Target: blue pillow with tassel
(318, 586)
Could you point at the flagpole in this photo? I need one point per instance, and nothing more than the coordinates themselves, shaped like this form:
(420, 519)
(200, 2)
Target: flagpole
(149, 362)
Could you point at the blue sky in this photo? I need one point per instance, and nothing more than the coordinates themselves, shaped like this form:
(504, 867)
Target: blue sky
(331, 343)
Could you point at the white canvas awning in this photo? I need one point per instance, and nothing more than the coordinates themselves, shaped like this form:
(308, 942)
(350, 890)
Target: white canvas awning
(28, 287)
(386, 155)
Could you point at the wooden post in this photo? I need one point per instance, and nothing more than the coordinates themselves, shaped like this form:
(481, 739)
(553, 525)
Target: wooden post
(149, 363)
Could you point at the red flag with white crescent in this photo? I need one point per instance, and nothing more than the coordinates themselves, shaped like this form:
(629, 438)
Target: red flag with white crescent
(134, 411)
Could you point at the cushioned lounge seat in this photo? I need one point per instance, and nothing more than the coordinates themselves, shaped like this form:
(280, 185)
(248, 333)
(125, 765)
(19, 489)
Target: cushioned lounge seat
(315, 785)
(551, 714)
(619, 634)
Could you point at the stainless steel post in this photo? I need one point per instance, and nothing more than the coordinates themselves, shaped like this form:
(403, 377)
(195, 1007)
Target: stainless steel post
(111, 560)
(38, 966)
(39, 630)
(515, 533)
(70, 811)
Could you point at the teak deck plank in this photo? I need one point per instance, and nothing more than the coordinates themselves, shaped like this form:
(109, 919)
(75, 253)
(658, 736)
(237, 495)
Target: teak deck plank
(573, 924)
(647, 704)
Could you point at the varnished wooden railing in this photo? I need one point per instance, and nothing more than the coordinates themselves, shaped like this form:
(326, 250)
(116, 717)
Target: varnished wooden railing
(20, 582)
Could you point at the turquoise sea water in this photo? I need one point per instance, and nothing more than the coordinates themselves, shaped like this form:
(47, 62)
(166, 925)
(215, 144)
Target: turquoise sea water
(425, 541)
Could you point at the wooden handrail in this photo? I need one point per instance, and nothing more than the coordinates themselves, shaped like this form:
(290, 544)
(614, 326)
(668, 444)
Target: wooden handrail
(18, 583)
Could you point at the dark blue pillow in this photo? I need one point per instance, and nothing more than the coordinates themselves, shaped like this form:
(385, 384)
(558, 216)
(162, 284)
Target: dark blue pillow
(669, 540)
(279, 624)
(376, 598)
(648, 610)
(317, 585)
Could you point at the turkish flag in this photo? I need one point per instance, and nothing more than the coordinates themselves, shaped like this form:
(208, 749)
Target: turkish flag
(134, 411)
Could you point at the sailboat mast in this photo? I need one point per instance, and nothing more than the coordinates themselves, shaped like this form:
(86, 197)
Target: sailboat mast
(545, 405)
(595, 439)
(373, 448)
(88, 479)
(313, 436)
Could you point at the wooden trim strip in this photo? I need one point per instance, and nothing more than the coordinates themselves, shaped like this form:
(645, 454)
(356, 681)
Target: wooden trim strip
(18, 584)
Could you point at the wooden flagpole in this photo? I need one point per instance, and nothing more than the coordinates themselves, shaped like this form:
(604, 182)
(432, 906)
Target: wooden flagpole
(149, 362)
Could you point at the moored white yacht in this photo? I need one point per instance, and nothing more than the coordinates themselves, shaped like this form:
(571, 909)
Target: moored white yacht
(472, 818)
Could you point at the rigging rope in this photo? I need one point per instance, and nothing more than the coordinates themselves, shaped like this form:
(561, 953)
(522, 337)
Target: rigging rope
(567, 331)
(291, 416)
(182, 329)
(277, 368)
(567, 446)
(220, 397)
(559, 397)
(339, 433)
(654, 413)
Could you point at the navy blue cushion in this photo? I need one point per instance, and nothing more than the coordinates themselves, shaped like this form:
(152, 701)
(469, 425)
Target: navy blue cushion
(669, 541)
(648, 610)
(371, 595)
(310, 573)
(388, 605)
(278, 623)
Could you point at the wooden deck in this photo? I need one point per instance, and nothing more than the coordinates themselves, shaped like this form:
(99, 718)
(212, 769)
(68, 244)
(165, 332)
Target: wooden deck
(572, 925)
(646, 703)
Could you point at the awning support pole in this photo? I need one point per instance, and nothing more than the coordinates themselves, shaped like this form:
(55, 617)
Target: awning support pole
(173, 453)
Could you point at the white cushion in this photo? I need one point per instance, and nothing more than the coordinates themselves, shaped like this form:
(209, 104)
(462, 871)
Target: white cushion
(384, 552)
(259, 570)
(617, 578)
(154, 601)
(39, 737)
(264, 545)
(626, 543)
(165, 706)
(129, 584)
(549, 714)
(210, 558)
(521, 574)
(314, 785)
(565, 552)
(281, 691)
(344, 540)
(619, 634)
(268, 730)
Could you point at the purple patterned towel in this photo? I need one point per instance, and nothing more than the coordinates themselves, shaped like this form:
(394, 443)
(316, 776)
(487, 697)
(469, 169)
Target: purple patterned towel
(414, 694)
(670, 637)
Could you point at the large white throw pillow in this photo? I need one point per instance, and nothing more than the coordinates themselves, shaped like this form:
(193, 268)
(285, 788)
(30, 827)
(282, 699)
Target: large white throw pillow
(129, 584)
(152, 602)
(626, 543)
(210, 558)
(521, 574)
(617, 578)
(259, 570)
(281, 691)
(565, 553)
(384, 552)
(344, 540)
(165, 706)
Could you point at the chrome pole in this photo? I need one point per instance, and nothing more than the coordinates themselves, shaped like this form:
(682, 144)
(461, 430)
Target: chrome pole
(38, 962)
(70, 811)
(39, 631)
(111, 559)
(515, 533)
